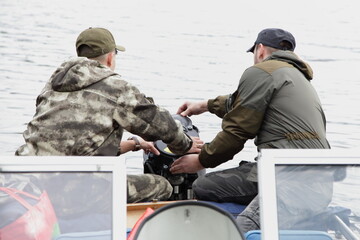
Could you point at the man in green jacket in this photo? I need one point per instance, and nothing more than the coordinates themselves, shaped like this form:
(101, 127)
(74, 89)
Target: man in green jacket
(274, 103)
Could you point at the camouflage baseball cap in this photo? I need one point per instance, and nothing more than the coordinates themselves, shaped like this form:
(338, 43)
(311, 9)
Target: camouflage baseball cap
(98, 40)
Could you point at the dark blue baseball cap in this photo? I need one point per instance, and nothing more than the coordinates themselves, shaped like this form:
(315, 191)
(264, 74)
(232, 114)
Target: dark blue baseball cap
(272, 37)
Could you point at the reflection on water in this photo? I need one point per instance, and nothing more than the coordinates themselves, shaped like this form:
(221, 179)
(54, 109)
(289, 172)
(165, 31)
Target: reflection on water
(177, 51)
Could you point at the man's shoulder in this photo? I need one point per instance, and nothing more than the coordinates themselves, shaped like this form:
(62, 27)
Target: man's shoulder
(116, 79)
(116, 83)
(272, 65)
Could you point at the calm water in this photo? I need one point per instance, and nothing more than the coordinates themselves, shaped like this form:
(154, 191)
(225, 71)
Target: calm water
(177, 51)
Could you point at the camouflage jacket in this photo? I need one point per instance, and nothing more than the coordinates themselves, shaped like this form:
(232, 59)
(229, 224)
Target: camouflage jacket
(84, 109)
(274, 103)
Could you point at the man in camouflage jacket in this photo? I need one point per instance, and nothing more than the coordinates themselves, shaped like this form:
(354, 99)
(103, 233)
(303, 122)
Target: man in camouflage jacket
(85, 107)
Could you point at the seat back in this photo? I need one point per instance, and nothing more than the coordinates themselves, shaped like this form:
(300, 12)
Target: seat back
(189, 220)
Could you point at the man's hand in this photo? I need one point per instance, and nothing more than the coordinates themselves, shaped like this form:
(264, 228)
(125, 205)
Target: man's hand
(186, 164)
(148, 146)
(192, 108)
(196, 146)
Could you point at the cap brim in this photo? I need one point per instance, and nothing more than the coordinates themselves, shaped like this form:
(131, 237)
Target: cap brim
(120, 48)
(252, 48)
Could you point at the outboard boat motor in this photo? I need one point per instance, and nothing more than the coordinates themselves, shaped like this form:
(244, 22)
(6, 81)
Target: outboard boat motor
(160, 164)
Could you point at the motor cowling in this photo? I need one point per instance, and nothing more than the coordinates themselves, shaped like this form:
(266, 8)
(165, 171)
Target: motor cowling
(160, 164)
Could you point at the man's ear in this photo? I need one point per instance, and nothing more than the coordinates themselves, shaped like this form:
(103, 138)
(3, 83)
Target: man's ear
(109, 59)
(261, 51)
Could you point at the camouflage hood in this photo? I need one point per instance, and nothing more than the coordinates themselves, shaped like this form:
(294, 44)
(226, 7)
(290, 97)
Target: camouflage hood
(293, 59)
(78, 74)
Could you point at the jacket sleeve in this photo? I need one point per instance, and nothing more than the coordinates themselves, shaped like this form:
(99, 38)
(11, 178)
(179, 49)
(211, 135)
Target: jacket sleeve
(239, 125)
(139, 115)
(217, 106)
(241, 122)
(221, 104)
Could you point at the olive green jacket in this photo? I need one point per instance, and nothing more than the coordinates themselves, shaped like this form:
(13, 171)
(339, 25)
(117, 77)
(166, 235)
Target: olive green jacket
(276, 103)
(84, 109)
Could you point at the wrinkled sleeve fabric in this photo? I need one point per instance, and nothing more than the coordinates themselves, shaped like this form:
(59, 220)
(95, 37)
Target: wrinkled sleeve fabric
(217, 106)
(222, 104)
(139, 115)
(243, 119)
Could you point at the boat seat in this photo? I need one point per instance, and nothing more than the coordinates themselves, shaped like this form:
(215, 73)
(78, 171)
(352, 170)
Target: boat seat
(233, 208)
(292, 235)
(189, 220)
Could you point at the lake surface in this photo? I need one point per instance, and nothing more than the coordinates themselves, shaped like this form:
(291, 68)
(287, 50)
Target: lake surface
(177, 51)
